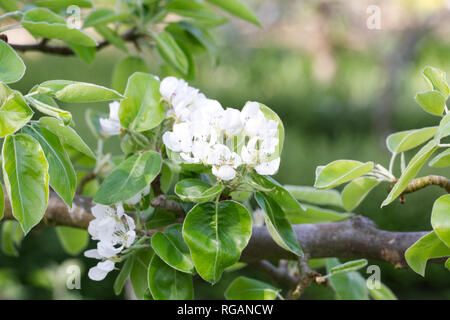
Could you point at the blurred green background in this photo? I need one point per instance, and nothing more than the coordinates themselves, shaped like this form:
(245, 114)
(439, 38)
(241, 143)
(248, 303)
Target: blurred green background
(339, 87)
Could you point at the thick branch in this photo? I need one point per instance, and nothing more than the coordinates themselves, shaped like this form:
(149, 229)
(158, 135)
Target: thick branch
(354, 238)
(43, 46)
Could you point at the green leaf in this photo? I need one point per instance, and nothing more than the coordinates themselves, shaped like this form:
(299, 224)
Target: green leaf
(12, 67)
(271, 115)
(67, 135)
(314, 214)
(341, 171)
(139, 271)
(14, 111)
(9, 241)
(62, 174)
(237, 8)
(441, 160)
(436, 80)
(411, 171)
(141, 110)
(9, 5)
(169, 175)
(43, 102)
(355, 192)
(123, 275)
(444, 129)
(347, 267)
(195, 190)
(447, 264)
(73, 240)
(285, 200)
(382, 293)
(125, 68)
(278, 225)
(92, 118)
(42, 22)
(440, 218)
(244, 288)
(87, 54)
(315, 196)
(112, 37)
(2, 202)
(170, 247)
(216, 234)
(432, 102)
(166, 283)
(160, 218)
(62, 4)
(25, 172)
(171, 52)
(406, 140)
(197, 11)
(427, 247)
(129, 178)
(103, 16)
(79, 92)
(347, 286)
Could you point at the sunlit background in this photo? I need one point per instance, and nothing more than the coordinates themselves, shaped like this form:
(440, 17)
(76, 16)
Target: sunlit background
(339, 85)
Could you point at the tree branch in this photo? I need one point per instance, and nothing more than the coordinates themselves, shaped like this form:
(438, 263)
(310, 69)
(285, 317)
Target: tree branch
(44, 47)
(357, 237)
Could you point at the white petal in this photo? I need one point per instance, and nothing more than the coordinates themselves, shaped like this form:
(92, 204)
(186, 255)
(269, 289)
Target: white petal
(93, 253)
(109, 127)
(107, 250)
(168, 87)
(96, 274)
(107, 265)
(268, 168)
(114, 110)
(99, 210)
(224, 172)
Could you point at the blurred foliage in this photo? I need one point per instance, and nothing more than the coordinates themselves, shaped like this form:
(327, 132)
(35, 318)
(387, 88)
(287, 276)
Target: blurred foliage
(324, 121)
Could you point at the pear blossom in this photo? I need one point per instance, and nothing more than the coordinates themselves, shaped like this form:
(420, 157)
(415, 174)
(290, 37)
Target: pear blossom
(115, 231)
(204, 132)
(111, 126)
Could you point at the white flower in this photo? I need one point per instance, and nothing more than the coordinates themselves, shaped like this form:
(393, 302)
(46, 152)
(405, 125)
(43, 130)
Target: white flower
(136, 198)
(180, 139)
(111, 126)
(100, 271)
(93, 253)
(168, 87)
(224, 162)
(230, 121)
(224, 172)
(268, 168)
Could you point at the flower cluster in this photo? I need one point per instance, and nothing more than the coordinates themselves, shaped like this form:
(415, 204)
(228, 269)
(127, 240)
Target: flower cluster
(204, 132)
(111, 126)
(115, 231)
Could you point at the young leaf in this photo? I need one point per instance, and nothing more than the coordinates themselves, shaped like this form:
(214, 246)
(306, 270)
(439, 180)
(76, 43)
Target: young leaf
(440, 218)
(314, 214)
(347, 267)
(432, 102)
(139, 271)
(14, 111)
(62, 4)
(436, 80)
(43, 103)
(427, 247)
(411, 171)
(171, 248)
(341, 171)
(67, 135)
(62, 174)
(171, 52)
(355, 192)
(79, 92)
(441, 160)
(87, 54)
(111, 36)
(73, 240)
(406, 140)
(197, 11)
(25, 172)
(444, 129)
(216, 234)
(244, 288)
(315, 196)
(160, 218)
(129, 178)
(278, 225)
(11, 238)
(12, 67)
(347, 286)
(237, 8)
(166, 283)
(123, 275)
(141, 110)
(382, 293)
(195, 190)
(42, 22)
(285, 200)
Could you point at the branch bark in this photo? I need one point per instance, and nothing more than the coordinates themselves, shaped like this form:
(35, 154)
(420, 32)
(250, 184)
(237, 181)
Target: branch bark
(357, 237)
